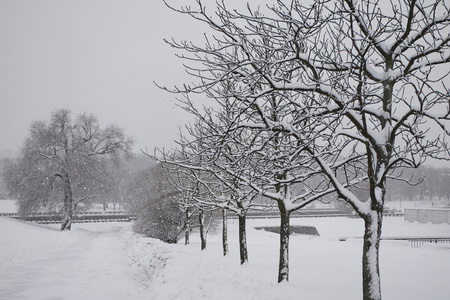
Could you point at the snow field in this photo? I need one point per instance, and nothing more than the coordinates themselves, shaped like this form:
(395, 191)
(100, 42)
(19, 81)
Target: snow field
(109, 261)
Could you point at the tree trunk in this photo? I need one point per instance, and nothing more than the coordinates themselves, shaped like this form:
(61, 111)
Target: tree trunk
(66, 223)
(201, 219)
(224, 231)
(370, 259)
(243, 238)
(283, 268)
(187, 228)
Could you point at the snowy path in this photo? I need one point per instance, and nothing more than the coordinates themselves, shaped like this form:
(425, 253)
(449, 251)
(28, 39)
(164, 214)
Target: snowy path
(83, 264)
(107, 261)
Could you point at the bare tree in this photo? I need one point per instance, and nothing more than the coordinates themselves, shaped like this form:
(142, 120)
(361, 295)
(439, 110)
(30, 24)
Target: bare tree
(180, 179)
(208, 187)
(201, 191)
(367, 71)
(64, 161)
(250, 162)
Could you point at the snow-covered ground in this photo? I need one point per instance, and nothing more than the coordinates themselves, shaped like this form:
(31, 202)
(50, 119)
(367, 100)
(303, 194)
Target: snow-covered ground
(40, 262)
(109, 261)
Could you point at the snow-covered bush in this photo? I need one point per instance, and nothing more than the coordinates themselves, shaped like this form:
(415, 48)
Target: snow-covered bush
(161, 219)
(156, 204)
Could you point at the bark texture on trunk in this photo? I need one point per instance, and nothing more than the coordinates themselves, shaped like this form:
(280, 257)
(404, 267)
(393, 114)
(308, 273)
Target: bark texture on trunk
(370, 258)
(283, 267)
(187, 229)
(224, 232)
(243, 238)
(66, 223)
(201, 220)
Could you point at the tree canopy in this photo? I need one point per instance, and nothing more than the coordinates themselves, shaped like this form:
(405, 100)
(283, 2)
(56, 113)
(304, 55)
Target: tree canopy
(64, 162)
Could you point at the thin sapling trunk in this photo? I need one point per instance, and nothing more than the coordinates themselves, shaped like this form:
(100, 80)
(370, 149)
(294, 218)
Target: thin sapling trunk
(187, 228)
(283, 268)
(243, 253)
(201, 220)
(224, 231)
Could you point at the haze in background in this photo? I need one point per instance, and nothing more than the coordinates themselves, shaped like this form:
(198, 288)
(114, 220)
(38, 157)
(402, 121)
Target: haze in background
(96, 56)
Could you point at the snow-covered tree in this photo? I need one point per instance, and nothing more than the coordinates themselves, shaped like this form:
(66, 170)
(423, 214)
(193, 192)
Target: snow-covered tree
(64, 162)
(201, 192)
(180, 179)
(155, 202)
(204, 184)
(249, 162)
(367, 74)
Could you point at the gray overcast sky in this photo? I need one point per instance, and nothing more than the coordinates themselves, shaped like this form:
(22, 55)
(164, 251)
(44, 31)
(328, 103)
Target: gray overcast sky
(96, 56)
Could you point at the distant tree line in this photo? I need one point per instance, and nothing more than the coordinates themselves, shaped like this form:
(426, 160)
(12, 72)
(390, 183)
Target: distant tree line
(424, 184)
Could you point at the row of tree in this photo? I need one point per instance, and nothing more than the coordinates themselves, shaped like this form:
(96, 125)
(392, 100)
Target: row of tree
(312, 99)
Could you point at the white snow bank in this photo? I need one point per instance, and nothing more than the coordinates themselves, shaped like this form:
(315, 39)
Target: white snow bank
(40, 262)
(320, 267)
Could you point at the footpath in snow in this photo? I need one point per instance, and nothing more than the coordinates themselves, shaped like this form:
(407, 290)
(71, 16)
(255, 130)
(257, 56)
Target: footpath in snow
(44, 263)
